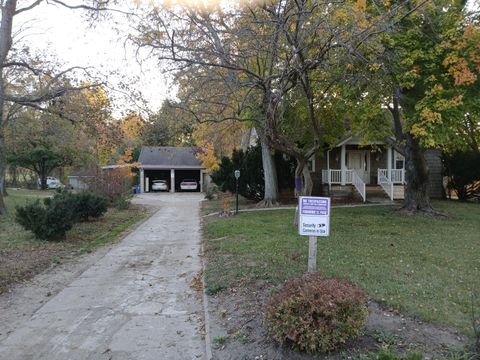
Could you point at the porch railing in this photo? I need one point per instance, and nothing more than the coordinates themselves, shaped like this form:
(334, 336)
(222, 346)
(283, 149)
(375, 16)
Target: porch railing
(397, 176)
(385, 183)
(334, 176)
(359, 185)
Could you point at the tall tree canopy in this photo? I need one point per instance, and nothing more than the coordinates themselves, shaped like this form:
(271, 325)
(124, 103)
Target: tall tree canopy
(246, 58)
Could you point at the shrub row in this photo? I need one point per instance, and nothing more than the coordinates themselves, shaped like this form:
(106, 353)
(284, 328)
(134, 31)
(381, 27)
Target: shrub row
(52, 218)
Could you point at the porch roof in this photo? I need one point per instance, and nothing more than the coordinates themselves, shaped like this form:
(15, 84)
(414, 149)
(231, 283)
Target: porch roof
(355, 140)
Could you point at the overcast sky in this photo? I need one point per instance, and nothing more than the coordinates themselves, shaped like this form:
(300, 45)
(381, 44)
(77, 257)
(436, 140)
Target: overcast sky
(66, 34)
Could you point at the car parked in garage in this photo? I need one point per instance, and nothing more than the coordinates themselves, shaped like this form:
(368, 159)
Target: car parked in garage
(189, 184)
(159, 185)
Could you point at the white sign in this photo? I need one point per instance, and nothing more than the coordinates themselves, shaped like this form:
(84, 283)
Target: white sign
(314, 216)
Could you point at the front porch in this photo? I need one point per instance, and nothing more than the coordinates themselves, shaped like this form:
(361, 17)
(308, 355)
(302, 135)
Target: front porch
(376, 164)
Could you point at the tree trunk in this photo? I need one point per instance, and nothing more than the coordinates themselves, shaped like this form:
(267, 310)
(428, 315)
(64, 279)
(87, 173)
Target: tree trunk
(307, 182)
(43, 181)
(14, 176)
(303, 179)
(6, 23)
(3, 166)
(3, 209)
(417, 198)
(270, 175)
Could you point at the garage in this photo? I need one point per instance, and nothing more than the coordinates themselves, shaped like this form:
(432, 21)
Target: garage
(186, 174)
(172, 164)
(152, 175)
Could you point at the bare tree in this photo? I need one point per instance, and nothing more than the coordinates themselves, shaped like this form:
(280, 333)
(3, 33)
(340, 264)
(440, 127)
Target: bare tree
(53, 83)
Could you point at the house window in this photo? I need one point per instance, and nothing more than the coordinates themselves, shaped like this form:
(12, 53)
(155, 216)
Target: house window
(311, 164)
(399, 161)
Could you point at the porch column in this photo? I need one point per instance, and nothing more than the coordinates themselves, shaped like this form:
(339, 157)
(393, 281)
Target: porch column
(142, 181)
(172, 180)
(342, 164)
(389, 162)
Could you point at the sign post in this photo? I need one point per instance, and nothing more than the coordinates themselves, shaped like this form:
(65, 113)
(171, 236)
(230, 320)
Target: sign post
(314, 221)
(237, 176)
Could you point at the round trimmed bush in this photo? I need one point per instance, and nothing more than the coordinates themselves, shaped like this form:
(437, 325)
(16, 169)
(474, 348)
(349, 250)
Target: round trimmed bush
(314, 314)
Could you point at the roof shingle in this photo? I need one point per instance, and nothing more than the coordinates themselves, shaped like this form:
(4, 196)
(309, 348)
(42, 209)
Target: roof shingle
(169, 156)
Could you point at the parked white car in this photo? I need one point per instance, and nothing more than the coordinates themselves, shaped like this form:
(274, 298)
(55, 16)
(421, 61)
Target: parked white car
(189, 184)
(159, 185)
(52, 183)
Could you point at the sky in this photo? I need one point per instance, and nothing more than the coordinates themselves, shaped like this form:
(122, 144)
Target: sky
(65, 34)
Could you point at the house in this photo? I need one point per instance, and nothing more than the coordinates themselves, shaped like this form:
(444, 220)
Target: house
(172, 164)
(350, 166)
(80, 179)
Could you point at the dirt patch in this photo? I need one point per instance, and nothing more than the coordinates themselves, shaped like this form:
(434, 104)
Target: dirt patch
(237, 331)
(22, 263)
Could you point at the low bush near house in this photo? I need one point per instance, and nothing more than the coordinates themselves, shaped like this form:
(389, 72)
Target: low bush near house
(88, 205)
(314, 314)
(49, 221)
(85, 205)
(52, 219)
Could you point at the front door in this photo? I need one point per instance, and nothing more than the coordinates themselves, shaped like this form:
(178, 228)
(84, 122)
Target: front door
(359, 161)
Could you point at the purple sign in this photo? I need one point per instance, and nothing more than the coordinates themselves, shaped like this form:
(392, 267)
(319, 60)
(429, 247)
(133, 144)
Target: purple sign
(312, 206)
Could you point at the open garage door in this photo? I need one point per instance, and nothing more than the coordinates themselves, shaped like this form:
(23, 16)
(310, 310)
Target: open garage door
(152, 175)
(181, 175)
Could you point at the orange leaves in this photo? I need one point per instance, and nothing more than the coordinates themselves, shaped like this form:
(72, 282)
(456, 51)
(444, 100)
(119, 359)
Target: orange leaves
(459, 69)
(463, 62)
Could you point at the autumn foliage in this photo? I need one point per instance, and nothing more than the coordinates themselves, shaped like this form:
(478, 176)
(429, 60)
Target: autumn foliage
(314, 314)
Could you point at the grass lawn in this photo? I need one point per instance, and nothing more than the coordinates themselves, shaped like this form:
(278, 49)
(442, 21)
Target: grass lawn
(217, 205)
(421, 265)
(22, 256)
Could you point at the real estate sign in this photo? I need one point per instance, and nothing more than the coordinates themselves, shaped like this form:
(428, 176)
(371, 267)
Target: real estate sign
(314, 216)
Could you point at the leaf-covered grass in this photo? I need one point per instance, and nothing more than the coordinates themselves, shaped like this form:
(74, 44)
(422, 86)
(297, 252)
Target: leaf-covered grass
(421, 265)
(21, 255)
(218, 204)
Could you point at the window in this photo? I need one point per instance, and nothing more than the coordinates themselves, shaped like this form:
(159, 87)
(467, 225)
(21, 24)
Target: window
(399, 161)
(311, 164)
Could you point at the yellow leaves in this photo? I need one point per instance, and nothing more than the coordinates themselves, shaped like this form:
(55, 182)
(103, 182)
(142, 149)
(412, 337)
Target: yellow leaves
(132, 126)
(428, 116)
(207, 156)
(418, 130)
(361, 5)
(224, 136)
(375, 67)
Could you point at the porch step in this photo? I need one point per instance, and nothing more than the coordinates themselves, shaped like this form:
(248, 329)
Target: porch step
(399, 192)
(375, 191)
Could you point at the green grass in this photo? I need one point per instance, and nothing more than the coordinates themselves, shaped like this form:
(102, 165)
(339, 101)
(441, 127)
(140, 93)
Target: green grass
(421, 265)
(22, 256)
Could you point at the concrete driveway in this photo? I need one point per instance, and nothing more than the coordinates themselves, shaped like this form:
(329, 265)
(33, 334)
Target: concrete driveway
(135, 302)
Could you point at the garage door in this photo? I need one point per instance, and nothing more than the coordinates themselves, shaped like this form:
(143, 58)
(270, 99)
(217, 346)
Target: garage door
(157, 175)
(181, 175)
